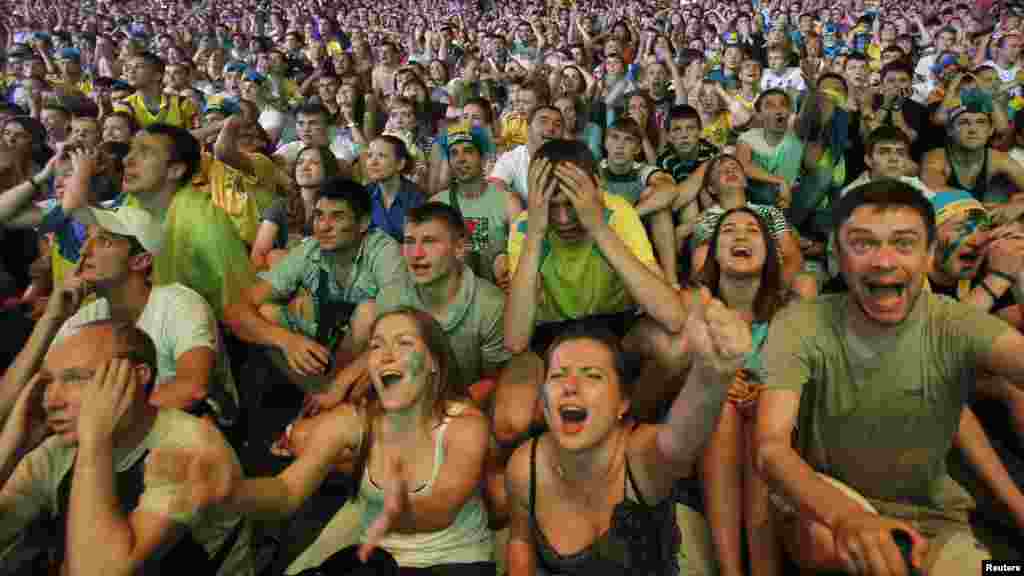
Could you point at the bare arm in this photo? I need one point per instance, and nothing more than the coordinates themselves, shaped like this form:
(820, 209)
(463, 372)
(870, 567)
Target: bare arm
(191, 380)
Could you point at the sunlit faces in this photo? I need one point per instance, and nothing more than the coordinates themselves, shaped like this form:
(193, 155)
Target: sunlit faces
(312, 129)
(523, 101)
(309, 168)
(466, 161)
(138, 72)
(741, 249)
(972, 130)
(177, 76)
(335, 225)
(684, 135)
(960, 245)
(431, 251)
(582, 395)
(546, 125)
(622, 148)
(884, 256)
(382, 161)
(401, 366)
(888, 160)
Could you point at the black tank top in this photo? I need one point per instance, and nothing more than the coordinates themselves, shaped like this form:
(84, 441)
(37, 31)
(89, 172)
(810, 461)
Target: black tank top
(642, 539)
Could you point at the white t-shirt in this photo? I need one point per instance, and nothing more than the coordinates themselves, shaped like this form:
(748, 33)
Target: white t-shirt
(513, 170)
(178, 319)
(788, 79)
(1006, 75)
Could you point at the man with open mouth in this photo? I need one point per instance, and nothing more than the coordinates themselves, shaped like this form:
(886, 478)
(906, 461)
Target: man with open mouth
(879, 379)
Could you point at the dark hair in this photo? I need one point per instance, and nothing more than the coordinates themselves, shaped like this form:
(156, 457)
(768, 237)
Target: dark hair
(622, 363)
(539, 88)
(152, 60)
(345, 190)
(401, 150)
(884, 194)
(759, 103)
(312, 109)
(897, 66)
(708, 180)
(128, 117)
(771, 294)
(484, 105)
(328, 161)
(629, 126)
(184, 148)
(833, 76)
(131, 343)
(885, 133)
(571, 151)
(439, 211)
(541, 108)
(683, 112)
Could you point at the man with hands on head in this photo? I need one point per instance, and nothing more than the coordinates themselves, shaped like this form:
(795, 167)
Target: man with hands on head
(110, 515)
(577, 254)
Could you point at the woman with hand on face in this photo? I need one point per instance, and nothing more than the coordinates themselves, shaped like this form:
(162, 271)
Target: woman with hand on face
(592, 494)
(419, 453)
(743, 270)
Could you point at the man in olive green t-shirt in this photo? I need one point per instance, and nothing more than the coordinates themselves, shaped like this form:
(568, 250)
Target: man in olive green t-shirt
(875, 381)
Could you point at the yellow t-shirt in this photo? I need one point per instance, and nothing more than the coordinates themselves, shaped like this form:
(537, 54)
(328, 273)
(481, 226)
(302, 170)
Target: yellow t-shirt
(243, 197)
(575, 278)
(174, 110)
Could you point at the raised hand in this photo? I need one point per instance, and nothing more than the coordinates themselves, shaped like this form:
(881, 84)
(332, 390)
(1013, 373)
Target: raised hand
(203, 478)
(718, 337)
(66, 299)
(541, 189)
(26, 424)
(107, 400)
(583, 193)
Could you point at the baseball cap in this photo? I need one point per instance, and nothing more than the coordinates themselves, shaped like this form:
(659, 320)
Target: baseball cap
(125, 221)
(70, 54)
(952, 203)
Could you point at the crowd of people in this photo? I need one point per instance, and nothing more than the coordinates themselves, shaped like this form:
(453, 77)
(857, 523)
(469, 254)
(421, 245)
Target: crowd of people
(539, 288)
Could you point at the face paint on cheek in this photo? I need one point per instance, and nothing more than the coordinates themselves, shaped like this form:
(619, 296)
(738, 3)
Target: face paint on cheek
(416, 362)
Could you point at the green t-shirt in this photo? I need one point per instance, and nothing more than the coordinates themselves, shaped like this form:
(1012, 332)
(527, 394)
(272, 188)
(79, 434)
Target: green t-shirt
(486, 225)
(880, 416)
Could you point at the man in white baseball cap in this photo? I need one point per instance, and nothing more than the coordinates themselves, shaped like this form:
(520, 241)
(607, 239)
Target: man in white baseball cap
(115, 264)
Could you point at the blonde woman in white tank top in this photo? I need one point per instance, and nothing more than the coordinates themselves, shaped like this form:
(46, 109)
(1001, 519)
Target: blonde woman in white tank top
(421, 455)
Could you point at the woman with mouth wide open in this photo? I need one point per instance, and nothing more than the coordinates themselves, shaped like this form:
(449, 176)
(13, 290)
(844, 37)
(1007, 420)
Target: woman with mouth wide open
(743, 270)
(592, 495)
(419, 451)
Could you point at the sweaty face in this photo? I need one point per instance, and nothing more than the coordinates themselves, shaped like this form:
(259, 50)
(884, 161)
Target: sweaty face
(884, 256)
